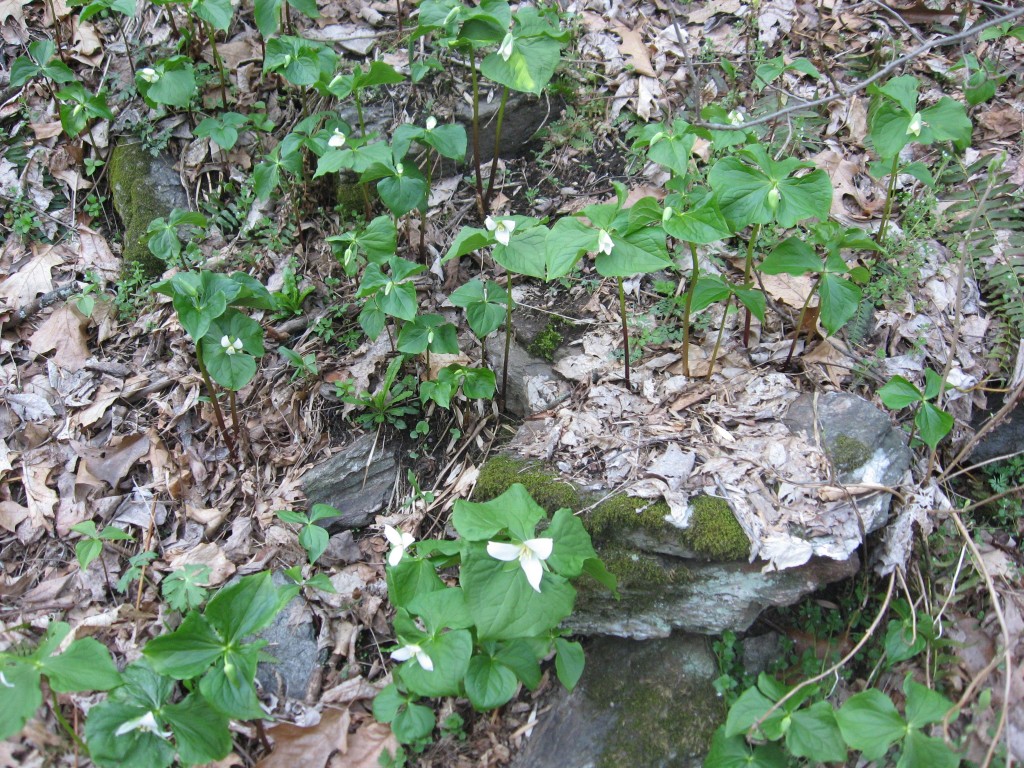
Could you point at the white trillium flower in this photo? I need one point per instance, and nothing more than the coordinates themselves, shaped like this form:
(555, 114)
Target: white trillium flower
(400, 541)
(431, 123)
(146, 722)
(530, 554)
(149, 74)
(502, 229)
(916, 124)
(505, 49)
(230, 347)
(736, 117)
(604, 242)
(412, 650)
(337, 139)
(4, 683)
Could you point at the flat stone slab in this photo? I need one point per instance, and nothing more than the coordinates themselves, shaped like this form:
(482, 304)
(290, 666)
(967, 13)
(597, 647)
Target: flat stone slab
(638, 705)
(357, 481)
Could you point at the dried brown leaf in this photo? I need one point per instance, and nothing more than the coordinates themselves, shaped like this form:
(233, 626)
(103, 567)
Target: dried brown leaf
(113, 463)
(63, 333)
(308, 747)
(11, 515)
(34, 277)
(633, 46)
(221, 569)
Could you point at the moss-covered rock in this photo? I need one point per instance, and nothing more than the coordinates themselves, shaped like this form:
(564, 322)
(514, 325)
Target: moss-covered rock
(622, 512)
(546, 343)
(637, 569)
(143, 188)
(547, 488)
(848, 453)
(714, 532)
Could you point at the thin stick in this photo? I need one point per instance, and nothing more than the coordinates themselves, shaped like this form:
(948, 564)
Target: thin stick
(625, 328)
(497, 144)
(476, 133)
(690, 290)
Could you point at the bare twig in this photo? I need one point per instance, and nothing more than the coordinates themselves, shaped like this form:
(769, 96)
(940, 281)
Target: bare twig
(35, 306)
(879, 75)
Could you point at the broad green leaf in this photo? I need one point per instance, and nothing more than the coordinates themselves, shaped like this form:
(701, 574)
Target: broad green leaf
(709, 290)
(703, 224)
(411, 578)
(136, 747)
(489, 683)
(504, 604)
(514, 510)
(267, 15)
(176, 84)
(387, 703)
(183, 590)
(888, 129)
(933, 423)
(20, 698)
(405, 193)
(902, 90)
(85, 666)
(924, 705)
(870, 723)
(314, 540)
(450, 654)
(569, 661)
(485, 305)
(186, 652)
(793, 256)
(814, 734)
(529, 67)
(229, 689)
(920, 751)
(572, 547)
(566, 242)
(521, 657)
(201, 732)
(442, 609)
(245, 607)
(468, 240)
(748, 709)
(639, 252)
(216, 12)
(87, 550)
(752, 299)
(448, 140)
(525, 253)
(839, 300)
(899, 393)
(413, 723)
(734, 752)
(946, 121)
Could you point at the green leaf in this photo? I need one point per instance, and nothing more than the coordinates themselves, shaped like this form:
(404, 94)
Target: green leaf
(485, 305)
(450, 654)
(793, 256)
(175, 86)
(752, 299)
(514, 510)
(569, 661)
(314, 540)
(525, 253)
(489, 683)
(216, 12)
(411, 578)
(734, 752)
(442, 609)
(228, 686)
(413, 724)
(85, 666)
(920, 751)
(405, 193)
(267, 16)
(232, 371)
(899, 393)
(530, 66)
(521, 657)
(709, 290)
(814, 734)
(566, 242)
(747, 710)
(902, 90)
(870, 723)
(704, 224)
(201, 732)
(924, 706)
(503, 602)
(572, 547)
(245, 607)
(87, 550)
(839, 301)
(387, 703)
(933, 423)
(642, 251)
(888, 129)
(134, 747)
(186, 652)
(183, 590)
(20, 698)
(946, 121)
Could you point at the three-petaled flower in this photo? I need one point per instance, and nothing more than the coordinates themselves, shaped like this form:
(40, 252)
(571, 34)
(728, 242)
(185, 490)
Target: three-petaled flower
(230, 346)
(149, 74)
(604, 242)
(735, 117)
(337, 139)
(412, 650)
(431, 123)
(505, 49)
(146, 723)
(400, 541)
(531, 555)
(502, 229)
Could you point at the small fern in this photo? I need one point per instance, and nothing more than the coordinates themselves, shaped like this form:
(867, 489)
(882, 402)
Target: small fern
(989, 213)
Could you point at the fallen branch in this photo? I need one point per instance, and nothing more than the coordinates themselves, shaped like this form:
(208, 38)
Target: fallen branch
(35, 306)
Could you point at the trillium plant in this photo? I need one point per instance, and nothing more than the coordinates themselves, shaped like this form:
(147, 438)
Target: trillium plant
(484, 636)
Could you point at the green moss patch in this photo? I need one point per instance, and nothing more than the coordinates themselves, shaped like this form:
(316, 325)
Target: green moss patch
(547, 488)
(847, 453)
(137, 204)
(547, 341)
(713, 531)
(623, 512)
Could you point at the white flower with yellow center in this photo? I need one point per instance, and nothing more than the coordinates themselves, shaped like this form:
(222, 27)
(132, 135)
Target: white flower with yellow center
(337, 139)
(230, 347)
(604, 243)
(502, 229)
(736, 117)
(531, 555)
(149, 74)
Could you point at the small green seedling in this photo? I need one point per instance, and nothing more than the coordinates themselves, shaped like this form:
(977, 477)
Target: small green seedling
(313, 538)
(184, 590)
(304, 365)
(931, 422)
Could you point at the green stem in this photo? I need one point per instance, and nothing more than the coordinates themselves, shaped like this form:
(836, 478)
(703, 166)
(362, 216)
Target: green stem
(425, 210)
(748, 279)
(476, 132)
(690, 290)
(359, 112)
(508, 338)
(217, 413)
(800, 321)
(890, 193)
(233, 402)
(625, 327)
(65, 724)
(718, 341)
(211, 35)
(497, 145)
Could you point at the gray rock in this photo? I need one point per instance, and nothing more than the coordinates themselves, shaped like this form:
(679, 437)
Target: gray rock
(861, 443)
(291, 639)
(524, 116)
(533, 385)
(357, 481)
(638, 705)
(760, 652)
(1006, 438)
(703, 598)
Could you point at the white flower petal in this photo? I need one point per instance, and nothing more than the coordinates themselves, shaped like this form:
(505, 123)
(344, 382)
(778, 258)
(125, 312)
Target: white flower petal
(504, 552)
(541, 548)
(604, 242)
(395, 556)
(405, 653)
(146, 722)
(533, 570)
(505, 50)
(431, 123)
(225, 342)
(393, 535)
(425, 661)
(491, 224)
(337, 140)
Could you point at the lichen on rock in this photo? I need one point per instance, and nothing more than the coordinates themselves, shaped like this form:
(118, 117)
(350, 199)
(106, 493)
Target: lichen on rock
(143, 188)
